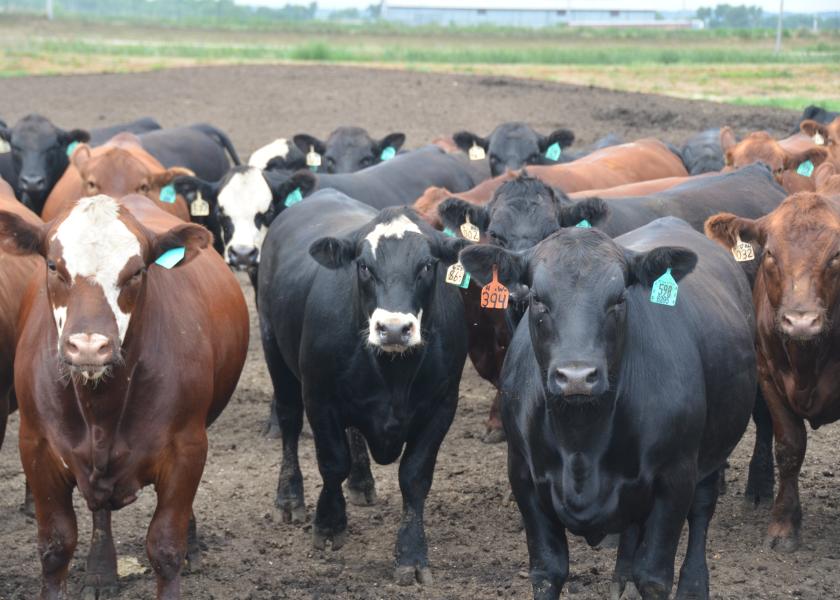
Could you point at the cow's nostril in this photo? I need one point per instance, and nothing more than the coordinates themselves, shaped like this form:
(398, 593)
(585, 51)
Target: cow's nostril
(592, 376)
(407, 329)
(381, 328)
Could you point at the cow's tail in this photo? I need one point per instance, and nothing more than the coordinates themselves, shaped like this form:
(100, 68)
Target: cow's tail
(222, 138)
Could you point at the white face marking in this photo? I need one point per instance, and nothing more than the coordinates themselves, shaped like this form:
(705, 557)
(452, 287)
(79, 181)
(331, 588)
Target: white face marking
(394, 319)
(392, 229)
(60, 315)
(260, 157)
(243, 197)
(97, 245)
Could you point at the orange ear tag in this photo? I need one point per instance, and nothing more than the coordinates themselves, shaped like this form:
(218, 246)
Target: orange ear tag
(494, 294)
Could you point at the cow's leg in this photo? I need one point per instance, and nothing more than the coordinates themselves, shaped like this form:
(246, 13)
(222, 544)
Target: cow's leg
(166, 540)
(101, 569)
(628, 542)
(790, 440)
(287, 407)
(653, 565)
(4, 416)
(494, 434)
(548, 550)
(694, 574)
(417, 469)
(193, 547)
(333, 453)
(28, 506)
(761, 476)
(361, 488)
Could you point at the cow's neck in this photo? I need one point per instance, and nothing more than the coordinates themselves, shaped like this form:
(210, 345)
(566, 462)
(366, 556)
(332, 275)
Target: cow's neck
(584, 429)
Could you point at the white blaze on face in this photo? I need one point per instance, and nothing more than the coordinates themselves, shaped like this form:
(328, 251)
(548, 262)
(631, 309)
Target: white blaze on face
(244, 196)
(277, 148)
(96, 245)
(392, 229)
(381, 317)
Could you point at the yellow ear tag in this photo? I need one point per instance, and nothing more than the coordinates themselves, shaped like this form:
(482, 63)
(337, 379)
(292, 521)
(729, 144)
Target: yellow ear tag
(470, 231)
(457, 275)
(477, 152)
(199, 207)
(742, 251)
(313, 159)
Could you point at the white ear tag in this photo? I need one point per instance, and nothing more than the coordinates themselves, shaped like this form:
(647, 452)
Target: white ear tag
(470, 231)
(742, 251)
(199, 207)
(477, 152)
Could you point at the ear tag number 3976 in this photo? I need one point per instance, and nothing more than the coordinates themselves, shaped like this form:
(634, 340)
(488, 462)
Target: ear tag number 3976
(742, 251)
(199, 207)
(664, 290)
(494, 294)
(470, 231)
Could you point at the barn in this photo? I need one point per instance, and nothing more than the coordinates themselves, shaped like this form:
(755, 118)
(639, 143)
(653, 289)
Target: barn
(526, 13)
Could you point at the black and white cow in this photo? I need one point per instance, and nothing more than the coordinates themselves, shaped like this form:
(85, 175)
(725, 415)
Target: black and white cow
(39, 153)
(619, 411)
(702, 153)
(280, 149)
(350, 149)
(514, 145)
(389, 366)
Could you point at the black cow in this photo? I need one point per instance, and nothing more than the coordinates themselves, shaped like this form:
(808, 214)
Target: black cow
(360, 330)
(39, 153)
(7, 170)
(350, 149)
(200, 148)
(702, 153)
(514, 145)
(818, 114)
(619, 412)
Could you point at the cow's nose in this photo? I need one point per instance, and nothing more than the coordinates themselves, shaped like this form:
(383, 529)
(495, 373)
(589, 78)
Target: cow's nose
(394, 333)
(242, 257)
(801, 324)
(33, 182)
(88, 349)
(577, 380)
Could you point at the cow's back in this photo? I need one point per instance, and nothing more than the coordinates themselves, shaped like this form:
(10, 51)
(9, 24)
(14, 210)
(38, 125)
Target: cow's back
(187, 147)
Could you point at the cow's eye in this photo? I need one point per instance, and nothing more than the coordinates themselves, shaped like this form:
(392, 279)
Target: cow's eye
(533, 158)
(144, 188)
(835, 261)
(139, 273)
(51, 265)
(425, 269)
(366, 161)
(494, 158)
(91, 185)
(497, 238)
(364, 271)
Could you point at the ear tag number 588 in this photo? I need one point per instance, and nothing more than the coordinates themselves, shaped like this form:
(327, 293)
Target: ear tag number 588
(494, 294)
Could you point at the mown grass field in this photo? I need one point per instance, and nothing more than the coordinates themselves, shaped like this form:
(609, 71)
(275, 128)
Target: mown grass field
(727, 66)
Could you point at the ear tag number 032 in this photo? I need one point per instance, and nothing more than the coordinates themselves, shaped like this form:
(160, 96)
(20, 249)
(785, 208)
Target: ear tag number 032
(553, 152)
(664, 290)
(313, 159)
(494, 294)
(477, 152)
(199, 207)
(457, 275)
(742, 251)
(470, 231)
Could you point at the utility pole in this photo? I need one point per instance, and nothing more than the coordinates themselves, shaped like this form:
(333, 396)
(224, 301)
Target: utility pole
(49, 10)
(779, 27)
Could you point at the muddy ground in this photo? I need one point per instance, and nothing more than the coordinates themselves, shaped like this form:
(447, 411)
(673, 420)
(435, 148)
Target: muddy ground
(475, 546)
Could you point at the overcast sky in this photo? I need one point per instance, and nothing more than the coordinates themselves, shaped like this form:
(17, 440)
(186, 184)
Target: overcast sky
(768, 5)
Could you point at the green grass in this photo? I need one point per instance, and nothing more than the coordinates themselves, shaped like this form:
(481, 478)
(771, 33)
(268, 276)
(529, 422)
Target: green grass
(795, 102)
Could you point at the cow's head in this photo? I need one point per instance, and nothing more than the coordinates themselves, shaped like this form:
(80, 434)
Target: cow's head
(97, 255)
(580, 284)
(39, 156)
(760, 146)
(398, 262)
(119, 171)
(523, 212)
(512, 146)
(242, 206)
(350, 149)
(800, 262)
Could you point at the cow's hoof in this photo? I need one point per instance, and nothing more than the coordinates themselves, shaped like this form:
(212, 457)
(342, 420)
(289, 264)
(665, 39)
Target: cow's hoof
(759, 495)
(648, 591)
(271, 430)
(494, 436)
(94, 591)
(28, 508)
(292, 510)
(782, 543)
(409, 574)
(320, 537)
(192, 564)
(624, 591)
(361, 497)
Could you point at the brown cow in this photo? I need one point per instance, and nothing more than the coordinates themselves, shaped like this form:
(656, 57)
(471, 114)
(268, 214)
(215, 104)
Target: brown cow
(827, 179)
(117, 168)
(121, 364)
(783, 157)
(796, 296)
(427, 204)
(637, 188)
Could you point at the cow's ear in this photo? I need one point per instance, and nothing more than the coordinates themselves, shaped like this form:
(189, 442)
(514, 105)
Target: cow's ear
(446, 248)
(191, 237)
(159, 180)
(74, 135)
(592, 210)
(392, 140)
(646, 267)
(80, 157)
(817, 155)
(290, 190)
(5, 132)
(823, 174)
(466, 140)
(188, 187)
(453, 213)
(563, 137)
(816, 131)
(306, 142)
(18, 236)
(333, 253)
(726, 229)
(727, 140)
(480, 259)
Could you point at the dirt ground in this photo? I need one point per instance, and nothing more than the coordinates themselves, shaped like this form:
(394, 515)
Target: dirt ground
(476, 548)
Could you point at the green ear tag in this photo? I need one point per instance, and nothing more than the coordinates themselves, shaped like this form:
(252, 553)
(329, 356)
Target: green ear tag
(805, 169)
(466, 282)
(293, 198)
(170, 258)
(167, 194)
(585, 224)
(388, 153)
(554, 151)
(449, 232)
(71, 147)
(664, 290)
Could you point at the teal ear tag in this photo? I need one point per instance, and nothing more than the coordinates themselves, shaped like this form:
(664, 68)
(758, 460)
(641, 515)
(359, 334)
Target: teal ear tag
(167, 194)
(293, 198)
(388, 153)
(170, 258)
(805, 169)
(466, 282)
(71, 147)
(449, 232)
(554, 151)
(585, 224)
(664, 290)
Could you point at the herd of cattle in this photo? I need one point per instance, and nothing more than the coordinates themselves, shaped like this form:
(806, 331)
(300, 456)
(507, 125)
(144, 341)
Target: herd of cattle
(628, 349)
